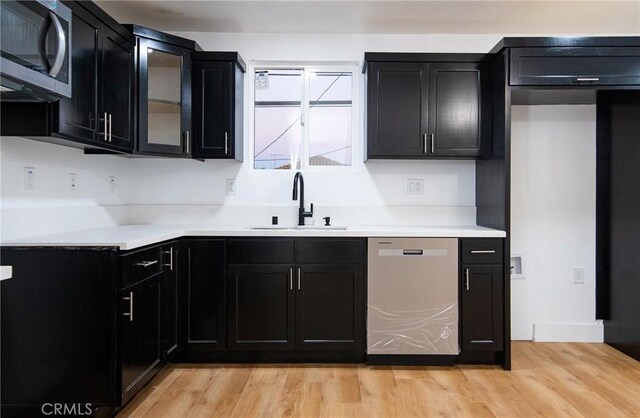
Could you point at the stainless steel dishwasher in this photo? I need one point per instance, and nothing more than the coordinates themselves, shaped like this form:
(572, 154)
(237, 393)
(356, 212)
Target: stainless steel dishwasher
(412, 296)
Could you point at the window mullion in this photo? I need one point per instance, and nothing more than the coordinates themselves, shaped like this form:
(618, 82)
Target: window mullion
(304, 160)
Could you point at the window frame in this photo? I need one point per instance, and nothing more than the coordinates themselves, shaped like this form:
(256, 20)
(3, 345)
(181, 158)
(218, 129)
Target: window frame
(308, 69)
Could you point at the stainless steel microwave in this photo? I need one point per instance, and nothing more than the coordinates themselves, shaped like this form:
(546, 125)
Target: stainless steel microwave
(35, 50)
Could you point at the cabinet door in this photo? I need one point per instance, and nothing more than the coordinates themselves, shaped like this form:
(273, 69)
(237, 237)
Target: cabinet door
(261, 307)
(78, 116)
(117, 89)
(164, 98)
(455, 110)
(140, 307)
(397, 110)
(482, 307)
(205, 269)
(329, 307)
(169, 326)
(212, 130)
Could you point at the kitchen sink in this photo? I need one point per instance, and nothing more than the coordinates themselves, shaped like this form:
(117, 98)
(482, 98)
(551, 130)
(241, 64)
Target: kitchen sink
(298, 228)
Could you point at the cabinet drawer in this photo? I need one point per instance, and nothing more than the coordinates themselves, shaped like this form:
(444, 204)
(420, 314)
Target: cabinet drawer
(260, 251)
(575, 66)
(482, 251)
(332, 251)
(141, 265)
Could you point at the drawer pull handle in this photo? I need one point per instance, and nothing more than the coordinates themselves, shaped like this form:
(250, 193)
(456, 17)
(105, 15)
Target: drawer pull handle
(145, 263)
(587, 79)
(130, 313)
(466, 281)
(412, 252)
(291, 278)
(483, 252)
(170, 252)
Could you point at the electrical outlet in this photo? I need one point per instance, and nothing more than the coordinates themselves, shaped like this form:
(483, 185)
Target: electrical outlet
(72, 182)
(231, 187)
(415, 186)
(29, 178)
(112, 184)
(578, 275)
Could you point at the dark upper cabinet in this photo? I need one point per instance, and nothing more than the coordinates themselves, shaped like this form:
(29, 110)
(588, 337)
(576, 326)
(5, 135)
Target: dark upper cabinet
(397, 100)
(481, 307)
(261, 307)
(455, 104)
(99, 114)
(204, 292)
(575, 66)
(163, 96)
(218, 80)
(329, 307)
(140, 330)
(418, 107)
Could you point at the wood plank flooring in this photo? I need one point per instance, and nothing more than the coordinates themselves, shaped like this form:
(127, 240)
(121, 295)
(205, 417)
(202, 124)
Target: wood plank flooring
(548, 379)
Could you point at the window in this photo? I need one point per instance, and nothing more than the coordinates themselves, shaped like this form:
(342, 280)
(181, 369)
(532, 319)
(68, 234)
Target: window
(303, 117)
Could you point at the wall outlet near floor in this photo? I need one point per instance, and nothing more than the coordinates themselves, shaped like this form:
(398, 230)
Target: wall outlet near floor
(415, 186)
(73, 185)
(112, 184)
(29, 178)
(231, 187)
(578, 275)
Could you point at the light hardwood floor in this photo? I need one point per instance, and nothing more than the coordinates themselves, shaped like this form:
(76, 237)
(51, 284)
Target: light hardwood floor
(548, 379)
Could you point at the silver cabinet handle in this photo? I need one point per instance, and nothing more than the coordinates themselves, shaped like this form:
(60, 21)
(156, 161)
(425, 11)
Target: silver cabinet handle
(188, 142)
(110, 128)
(483, 252)
(106, 128)
(170, 252)
(466, 281)
(130, 313)
(298, 278)
(424, 143)
(432, 140)
(62, 46)
(145, 263)
(291, 278)
(587, 79)
(226, 143)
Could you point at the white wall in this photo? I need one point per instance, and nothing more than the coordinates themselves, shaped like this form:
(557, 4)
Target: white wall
(51, 206)
(553, 222)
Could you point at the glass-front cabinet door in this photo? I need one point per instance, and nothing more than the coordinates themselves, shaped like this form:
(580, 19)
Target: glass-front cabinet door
(164, 100)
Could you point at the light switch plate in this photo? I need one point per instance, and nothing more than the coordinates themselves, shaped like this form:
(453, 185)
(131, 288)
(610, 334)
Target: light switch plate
(231, 187)
(73, 184)
(415, 186)
(29, 178)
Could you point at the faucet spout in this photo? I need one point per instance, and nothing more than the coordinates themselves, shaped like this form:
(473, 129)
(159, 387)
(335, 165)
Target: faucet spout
(298, 179)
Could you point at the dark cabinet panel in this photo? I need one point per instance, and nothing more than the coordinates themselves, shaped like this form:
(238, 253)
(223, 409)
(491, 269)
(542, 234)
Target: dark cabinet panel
(454, 104)
(170, 308)
(78, 116)
(396, 109)
(205, 280)
(164, 98)
(218, 89)
(330, 307)
(482, 307)
(482, 250)
(140, 328)
(598, 66)
(117, 88)
(261, 251)
(261, 307)
(330, 250)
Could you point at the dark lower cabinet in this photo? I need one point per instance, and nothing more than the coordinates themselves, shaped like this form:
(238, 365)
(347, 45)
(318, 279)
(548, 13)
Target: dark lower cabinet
(204, 294)
(330, 307)
(140, 333)
(170, 308)
(481, 305)
(261, 307)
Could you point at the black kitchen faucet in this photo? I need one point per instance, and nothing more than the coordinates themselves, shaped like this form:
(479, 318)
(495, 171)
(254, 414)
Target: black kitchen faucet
(301, 212)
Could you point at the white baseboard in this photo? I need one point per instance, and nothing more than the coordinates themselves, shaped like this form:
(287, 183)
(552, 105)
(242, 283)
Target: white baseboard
(563, 332)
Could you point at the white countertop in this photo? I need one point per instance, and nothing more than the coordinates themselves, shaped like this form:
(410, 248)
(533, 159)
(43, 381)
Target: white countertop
(129, 237)
(6, 272)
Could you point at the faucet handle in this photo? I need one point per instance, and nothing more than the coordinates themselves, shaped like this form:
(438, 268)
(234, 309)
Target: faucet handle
(311, 211)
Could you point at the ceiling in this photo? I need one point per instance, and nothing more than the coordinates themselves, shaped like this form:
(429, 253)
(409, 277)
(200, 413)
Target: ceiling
(394, 17)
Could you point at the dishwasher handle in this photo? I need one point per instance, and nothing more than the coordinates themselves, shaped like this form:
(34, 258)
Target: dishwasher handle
(412, 252)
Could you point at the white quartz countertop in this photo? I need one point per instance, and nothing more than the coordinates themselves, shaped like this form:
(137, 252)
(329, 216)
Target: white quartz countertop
(129, 237)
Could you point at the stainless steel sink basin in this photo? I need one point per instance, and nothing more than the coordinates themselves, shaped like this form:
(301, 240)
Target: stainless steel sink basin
(298, 228)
